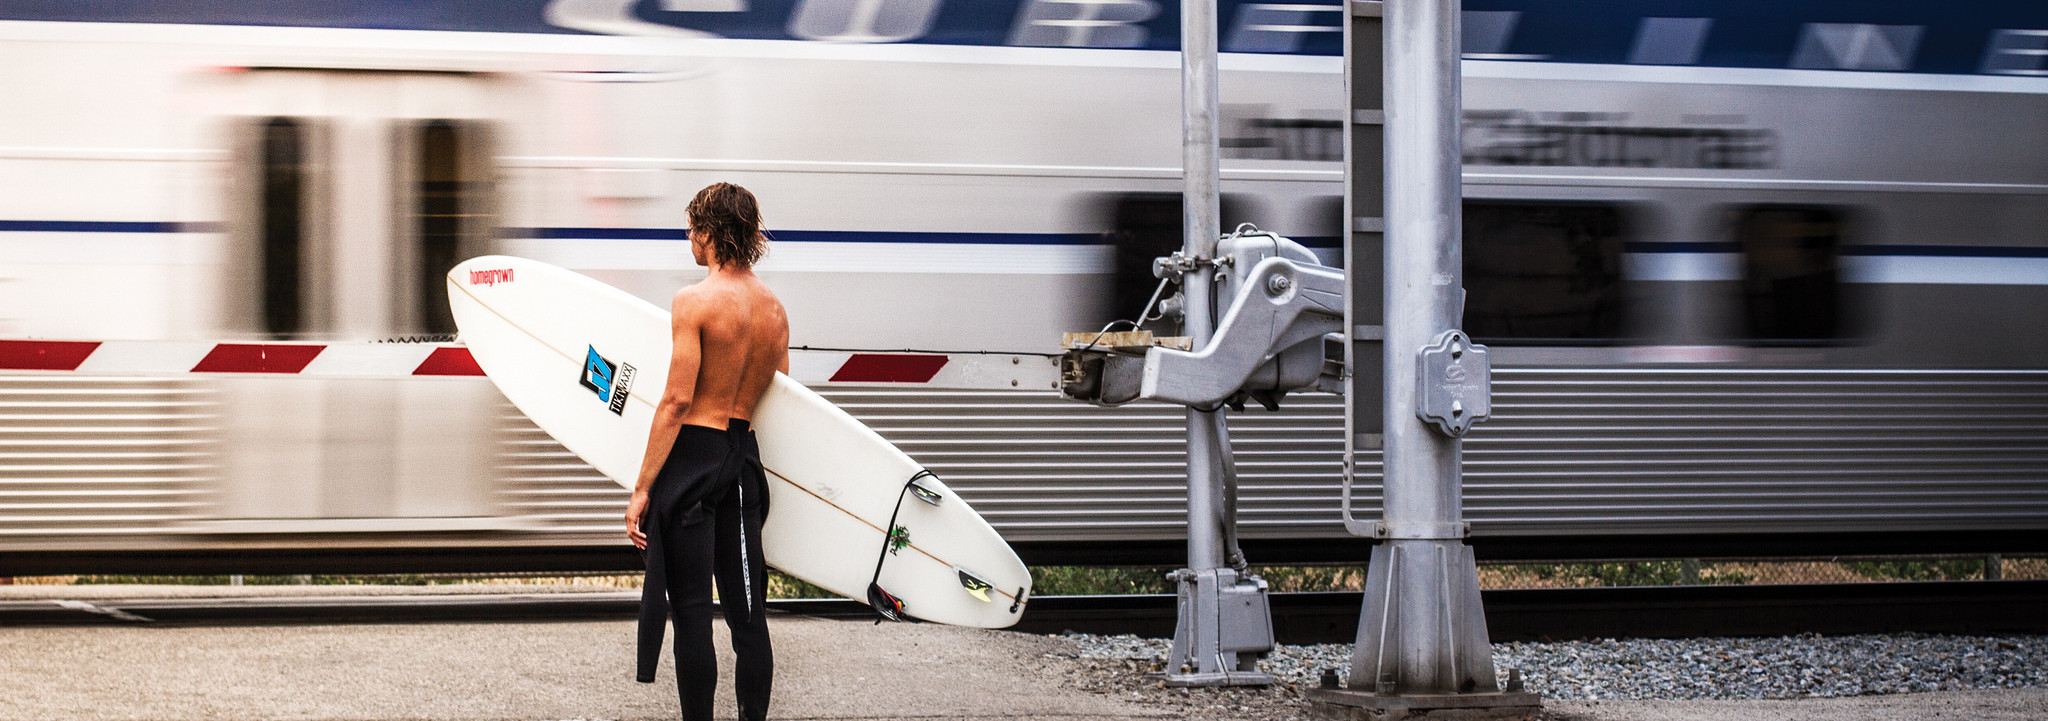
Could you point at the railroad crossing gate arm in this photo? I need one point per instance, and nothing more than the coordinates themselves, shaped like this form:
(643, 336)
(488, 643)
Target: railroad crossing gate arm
(1280, 307)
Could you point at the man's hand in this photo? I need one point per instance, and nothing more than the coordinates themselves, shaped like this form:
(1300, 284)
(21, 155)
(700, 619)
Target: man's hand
(635, 509)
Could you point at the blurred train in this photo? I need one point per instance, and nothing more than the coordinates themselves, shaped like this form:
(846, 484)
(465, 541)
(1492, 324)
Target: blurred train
(1760, 277)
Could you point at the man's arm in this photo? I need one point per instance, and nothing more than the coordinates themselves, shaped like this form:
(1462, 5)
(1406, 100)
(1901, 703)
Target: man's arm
(676, 396)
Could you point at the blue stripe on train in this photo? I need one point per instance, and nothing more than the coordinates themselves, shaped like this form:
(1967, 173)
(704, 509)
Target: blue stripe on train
(103, 226)
(823, 236)
(862, 236)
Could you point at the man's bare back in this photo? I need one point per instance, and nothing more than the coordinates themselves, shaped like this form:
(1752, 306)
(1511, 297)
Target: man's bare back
(730, 337)
(743, 334)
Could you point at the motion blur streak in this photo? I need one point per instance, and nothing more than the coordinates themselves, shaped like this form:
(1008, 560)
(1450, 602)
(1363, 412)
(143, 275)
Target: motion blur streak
(1748, 266)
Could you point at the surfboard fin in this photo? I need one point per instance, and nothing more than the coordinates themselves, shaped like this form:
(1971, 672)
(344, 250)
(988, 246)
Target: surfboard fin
(975, 586)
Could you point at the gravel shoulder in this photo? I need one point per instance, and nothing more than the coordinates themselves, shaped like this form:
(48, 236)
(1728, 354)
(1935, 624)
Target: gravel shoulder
(1868, 677)
(2000, 705)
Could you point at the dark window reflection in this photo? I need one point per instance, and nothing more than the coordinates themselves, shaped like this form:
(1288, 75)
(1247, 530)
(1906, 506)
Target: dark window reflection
(1326, 229)
(1145, 226)
(1543, 272)
(283, 226)
(439, 222)
(1791, 285)
(444, 193)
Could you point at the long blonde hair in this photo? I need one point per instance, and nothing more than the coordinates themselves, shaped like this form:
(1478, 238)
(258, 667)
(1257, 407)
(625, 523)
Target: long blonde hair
(730, 219)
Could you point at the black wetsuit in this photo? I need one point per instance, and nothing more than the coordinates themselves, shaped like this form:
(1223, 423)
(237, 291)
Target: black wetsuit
(703, 522)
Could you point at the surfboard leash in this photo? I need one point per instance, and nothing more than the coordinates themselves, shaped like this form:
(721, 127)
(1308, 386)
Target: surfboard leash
(894, 538)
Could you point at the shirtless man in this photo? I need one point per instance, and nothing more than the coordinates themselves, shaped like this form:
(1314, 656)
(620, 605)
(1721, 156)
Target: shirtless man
(698, 508)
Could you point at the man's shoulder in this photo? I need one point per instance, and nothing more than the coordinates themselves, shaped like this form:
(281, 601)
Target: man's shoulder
(714, 298)
(760, 291)
(705, 299)
(692, 301)
(702, 289)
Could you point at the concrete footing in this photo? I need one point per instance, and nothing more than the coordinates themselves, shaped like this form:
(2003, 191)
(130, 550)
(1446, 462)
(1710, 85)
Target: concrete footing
(1348, 705)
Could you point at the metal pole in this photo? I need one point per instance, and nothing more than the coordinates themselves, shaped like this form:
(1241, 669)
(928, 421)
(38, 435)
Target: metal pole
(1201, 224)
(1424, 288)
(1422, 642)
(1212, 599)
(1426, 645)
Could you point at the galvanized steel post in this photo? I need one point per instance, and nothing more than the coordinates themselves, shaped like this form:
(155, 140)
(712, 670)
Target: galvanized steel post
(1424, 288)
(1422, 642)
(1223, 624)
(1201, 223)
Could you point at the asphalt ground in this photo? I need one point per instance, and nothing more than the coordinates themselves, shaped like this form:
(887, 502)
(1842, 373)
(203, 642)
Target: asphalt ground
(826, 669)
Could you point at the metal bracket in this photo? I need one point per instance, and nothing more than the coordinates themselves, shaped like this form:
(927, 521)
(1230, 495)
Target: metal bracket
(1281, 331)
(1280, 304)
(1453, 384)
(1177, 265)
(1422, 531)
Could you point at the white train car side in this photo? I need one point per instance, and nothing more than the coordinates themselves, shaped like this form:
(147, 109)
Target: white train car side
(1795, 300)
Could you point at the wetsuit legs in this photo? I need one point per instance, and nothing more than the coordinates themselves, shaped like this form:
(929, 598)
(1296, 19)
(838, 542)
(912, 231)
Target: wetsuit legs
(689, 592)
(726, 546)
(742, 590)
(711, 501)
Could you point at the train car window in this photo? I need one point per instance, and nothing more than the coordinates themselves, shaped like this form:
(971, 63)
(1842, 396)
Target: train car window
(1324, 231)
(1543, 272)
(283, 225)
(1791, 284)
(1144, 226)
(449, 211)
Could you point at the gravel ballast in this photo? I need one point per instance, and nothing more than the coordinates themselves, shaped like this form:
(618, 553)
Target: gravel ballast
(1793, 667)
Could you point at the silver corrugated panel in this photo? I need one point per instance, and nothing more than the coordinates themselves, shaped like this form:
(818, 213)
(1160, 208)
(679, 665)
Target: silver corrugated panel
(1580, 451)
(91, 456)
(1041, 468)
(1568, 452)
(1684, 450)
(550, 488)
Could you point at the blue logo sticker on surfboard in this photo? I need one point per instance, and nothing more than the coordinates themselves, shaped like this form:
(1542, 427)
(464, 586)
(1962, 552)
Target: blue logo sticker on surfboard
(612, 382)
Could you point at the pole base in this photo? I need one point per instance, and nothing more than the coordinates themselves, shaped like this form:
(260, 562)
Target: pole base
(1224, 628)
(1422, 629)
(1217, 678)
(1337, 703)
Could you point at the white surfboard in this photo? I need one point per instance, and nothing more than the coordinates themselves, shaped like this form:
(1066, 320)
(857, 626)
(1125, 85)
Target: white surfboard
(587, 361)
